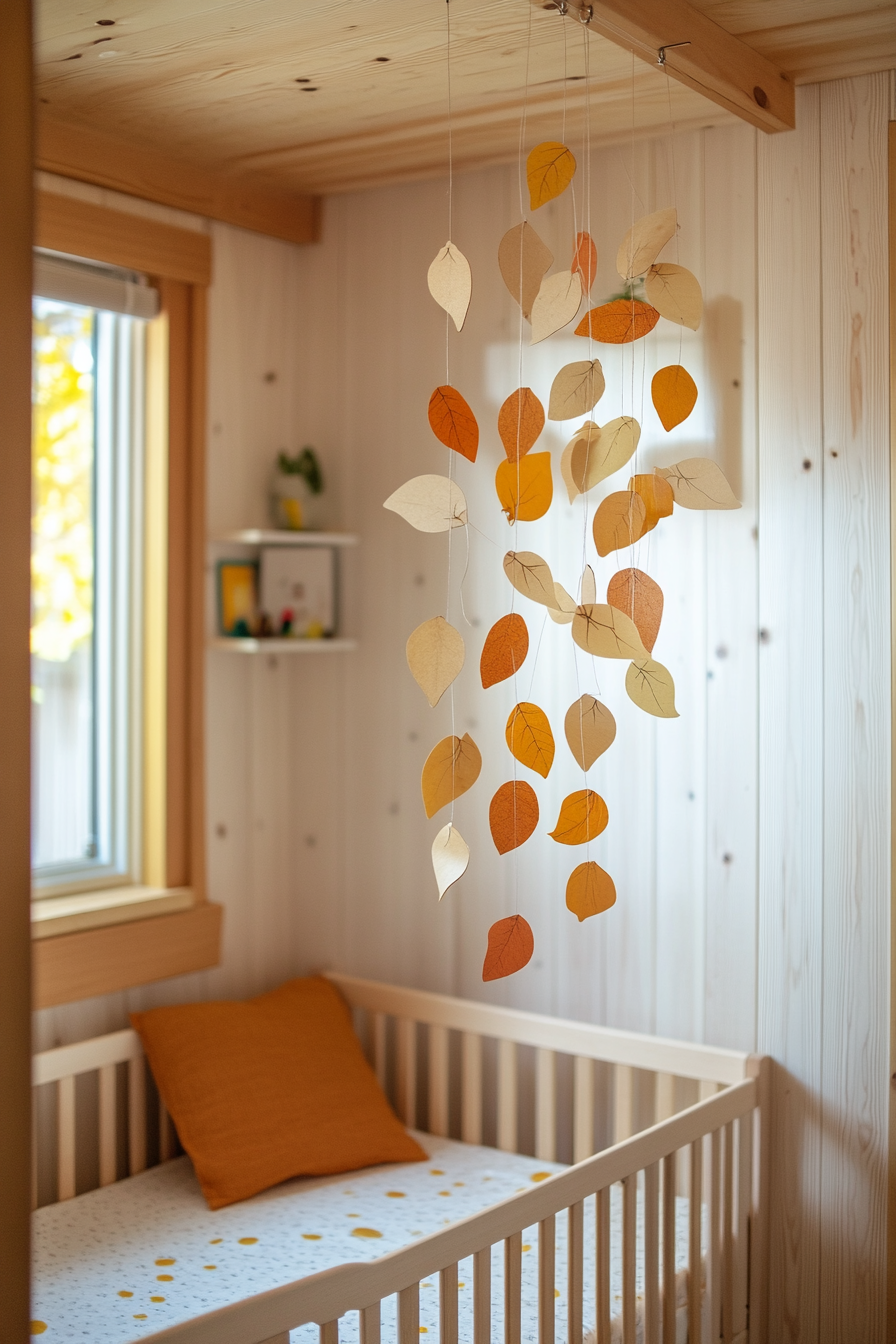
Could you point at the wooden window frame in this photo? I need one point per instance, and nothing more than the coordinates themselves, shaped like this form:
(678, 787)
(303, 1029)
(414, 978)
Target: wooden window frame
(122, 951)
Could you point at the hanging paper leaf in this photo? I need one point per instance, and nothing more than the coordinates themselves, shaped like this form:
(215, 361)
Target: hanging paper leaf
(619, 322)
(583, 815)
(504, 650)
(635, 593)
(530, 739)
(550, 168)
(589, 891)
(651, 687)
(525, 488)
(451, 283)
(606, 632)
(590, 728)
(450, 856)
(453, 423)
(675, 293)
(451, 768)
(513, 815)
(523, 260)
(584, 260)
(587, 586)
(620, 521)
(576, 390)
(644, 241)
(586, 458)
(674, 394)
(531, 576)
(429, 503)
(510, 947)
(556, 304)
(698, 483)
(656, 493)
(619, 439)
(520, 421)
(566, 606)
(435, 653)
(572, 490)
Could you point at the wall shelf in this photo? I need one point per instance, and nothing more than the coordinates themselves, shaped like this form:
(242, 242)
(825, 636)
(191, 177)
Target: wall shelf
(274, 645)
(256, 536)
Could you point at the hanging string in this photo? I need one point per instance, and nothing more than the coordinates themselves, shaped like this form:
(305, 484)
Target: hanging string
(451, 463)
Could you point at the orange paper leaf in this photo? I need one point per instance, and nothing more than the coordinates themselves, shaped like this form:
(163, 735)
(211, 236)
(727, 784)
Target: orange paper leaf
(504, 650)
(589, 891)
(451, 768)
(453, 423)
(584, 260)
(657, 495)
(513, 815)
(619, 322)
(583, 815)
(635, 593)
(530, 739)
(520, 421)
(550, 168)
(620, 520)
(674, 394)
(525, 488)
(510, 947)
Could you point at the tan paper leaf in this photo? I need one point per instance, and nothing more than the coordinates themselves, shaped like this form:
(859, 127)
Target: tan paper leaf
(674, 394)
(531, 576)
(576, 390)
(619, 439)
(651, 687)
(429, 503)
(435, 654)
(525, 488)
(529, 737)
(587, 587)
(675, 293)
(451, 768)
(606, 632)
(450, 856)
(698, 483)
(590, 728)
(620, 521)
(572, 490)
(523, 260)
(453, 423)
(589, 891)
(656, 493)
(550, 168)
(450, 283)
(618, 322)
(644, 241)
(504, 650)
(510, 947)
(520, 421)
(588, 459)
(512, 815)
(566, 606)
(556, 304)
(583, 815)
(584, 260)
(635, 593)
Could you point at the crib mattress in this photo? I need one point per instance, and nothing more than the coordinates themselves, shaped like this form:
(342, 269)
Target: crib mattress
(117, 1264)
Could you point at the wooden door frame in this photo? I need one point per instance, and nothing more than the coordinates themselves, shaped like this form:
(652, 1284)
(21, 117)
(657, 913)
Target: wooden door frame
(891, 1165)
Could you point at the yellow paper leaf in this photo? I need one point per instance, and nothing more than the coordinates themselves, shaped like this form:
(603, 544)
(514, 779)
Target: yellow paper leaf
(566, 606)
(619, 439)
(651, 687)
(525, 488)
(550, 168)
(698, 483)
(451, 768)
(450, 856)
(584, 260)
(453, 423)
(429, 503)
(635, 593)
(589, 891)
(504, 650)
(576, 390)
(590, 729)
(510, 947)
(675, 293)
(512, 815)
(530, 739)
(520, 421)
(644, 241)
(618, 322)
(620, 520)
(451, 283)
(674, 394)
(606, 632)
(531, 576)
(656, 493)
(435, 654)
(583, 815)
(523, 260)
(556, 304)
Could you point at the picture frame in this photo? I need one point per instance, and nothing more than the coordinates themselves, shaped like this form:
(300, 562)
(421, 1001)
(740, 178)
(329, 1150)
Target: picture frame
(237, 585)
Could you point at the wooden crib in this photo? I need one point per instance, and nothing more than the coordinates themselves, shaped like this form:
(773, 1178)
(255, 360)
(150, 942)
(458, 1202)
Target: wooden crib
(486, 1074)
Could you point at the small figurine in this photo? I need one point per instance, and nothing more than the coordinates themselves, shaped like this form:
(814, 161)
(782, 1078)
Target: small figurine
(286, 621)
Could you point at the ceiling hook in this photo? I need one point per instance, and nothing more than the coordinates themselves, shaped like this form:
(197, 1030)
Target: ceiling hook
(585, 13)
(670, 46)
(562, 7)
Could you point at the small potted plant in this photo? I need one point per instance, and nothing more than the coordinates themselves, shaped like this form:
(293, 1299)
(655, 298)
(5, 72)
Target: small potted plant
(298, 487)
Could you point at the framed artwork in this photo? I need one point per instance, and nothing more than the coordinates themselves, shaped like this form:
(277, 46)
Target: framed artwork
(237, 597)
(297, 590)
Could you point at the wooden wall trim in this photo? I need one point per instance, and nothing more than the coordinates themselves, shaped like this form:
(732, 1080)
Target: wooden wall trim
(891, 1165)
(94, 156)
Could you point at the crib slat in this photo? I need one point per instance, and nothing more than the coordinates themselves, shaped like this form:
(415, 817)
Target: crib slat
(727, 1232)
(482, 1296)
(670, 1183)
(370, 1321)
(65, 1175)
(629, 1235)
(471, 1087)
(108, 1158)
(513, 1288)
(714, 1250)
(379, 1048)
(409, 1315)
(329, 1333)
(438, 1081)
(136, 1115)
(742, 1215)
(507, 1096)
(406, 1032)
(652, 1254)
(602, 1266)
(582, 1108)
(546, 1300)
(166, 1134)
(447, 1305)
(665, 1096)
(575, 1280)
(624, 1103)
(545, 1105)
(695, 1329)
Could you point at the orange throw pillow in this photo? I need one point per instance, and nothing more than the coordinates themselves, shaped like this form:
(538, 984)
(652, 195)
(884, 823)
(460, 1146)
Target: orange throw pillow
(271, 1088)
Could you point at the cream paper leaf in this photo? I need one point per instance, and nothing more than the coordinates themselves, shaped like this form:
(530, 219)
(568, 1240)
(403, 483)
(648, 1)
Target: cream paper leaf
(450, 856)
(531, 576)
(451, 283)
(429, 503)
(644, 241)
(675, 293)
(651, 687)
(572, 489)
(595, 457)
(605, 632)
(699, 483)
(576, 390)
(566, 606)
(435, 654)
(556, 304)
(587, 587)
(590, 728)
(523, 260)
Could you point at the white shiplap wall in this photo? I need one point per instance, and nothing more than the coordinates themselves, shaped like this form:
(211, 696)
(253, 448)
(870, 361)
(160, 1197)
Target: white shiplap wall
(749, 838)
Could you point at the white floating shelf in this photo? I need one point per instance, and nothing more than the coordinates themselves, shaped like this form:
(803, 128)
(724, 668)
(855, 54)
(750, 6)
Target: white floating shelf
(236, 645)
(256, 536)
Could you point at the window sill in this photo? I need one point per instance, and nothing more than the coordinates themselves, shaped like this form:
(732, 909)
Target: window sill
(95, 909)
